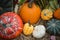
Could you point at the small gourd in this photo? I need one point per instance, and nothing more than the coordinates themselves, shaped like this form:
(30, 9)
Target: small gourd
(53, 27)
(39, 31)
(46, 14)
(28, 29)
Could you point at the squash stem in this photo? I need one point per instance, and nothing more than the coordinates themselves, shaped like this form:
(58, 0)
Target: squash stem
(30, 3)
(29, 22)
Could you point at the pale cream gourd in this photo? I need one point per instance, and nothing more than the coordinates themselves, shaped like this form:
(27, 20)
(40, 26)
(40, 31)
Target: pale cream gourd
(39, 31)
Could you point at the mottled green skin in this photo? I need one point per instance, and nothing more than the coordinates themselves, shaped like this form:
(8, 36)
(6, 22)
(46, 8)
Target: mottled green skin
(53, 27)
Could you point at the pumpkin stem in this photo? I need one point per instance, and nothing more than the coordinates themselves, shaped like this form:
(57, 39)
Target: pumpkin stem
(53, 38)
(30, 3)
(29, 22)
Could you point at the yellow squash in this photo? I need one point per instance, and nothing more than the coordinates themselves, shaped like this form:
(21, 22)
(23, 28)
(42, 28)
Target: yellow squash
(28, 29)
(46, 14)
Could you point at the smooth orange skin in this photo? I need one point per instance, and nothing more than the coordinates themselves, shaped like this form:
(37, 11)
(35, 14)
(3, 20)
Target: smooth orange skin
(57, 14)
(32, 14)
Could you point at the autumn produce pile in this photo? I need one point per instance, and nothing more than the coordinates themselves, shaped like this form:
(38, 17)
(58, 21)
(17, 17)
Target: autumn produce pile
(28, 14)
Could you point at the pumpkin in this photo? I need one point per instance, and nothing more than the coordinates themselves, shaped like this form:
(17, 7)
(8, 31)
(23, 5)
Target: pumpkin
(39, 31)
(46, 14)
(28, 29)
(11, 25)
(57, 13)
(30, 13)
(53, 27)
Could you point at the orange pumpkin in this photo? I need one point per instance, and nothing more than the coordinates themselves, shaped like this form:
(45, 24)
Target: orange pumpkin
(57, 14)
(30, 13)
(11, 25)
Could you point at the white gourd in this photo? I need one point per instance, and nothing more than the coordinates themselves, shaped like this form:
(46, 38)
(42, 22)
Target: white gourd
(39, 31)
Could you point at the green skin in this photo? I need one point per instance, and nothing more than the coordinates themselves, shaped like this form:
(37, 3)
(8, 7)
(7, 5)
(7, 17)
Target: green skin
(53, 27)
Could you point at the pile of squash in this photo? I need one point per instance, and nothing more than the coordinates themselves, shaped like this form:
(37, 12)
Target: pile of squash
(29, 13)
(33, 11)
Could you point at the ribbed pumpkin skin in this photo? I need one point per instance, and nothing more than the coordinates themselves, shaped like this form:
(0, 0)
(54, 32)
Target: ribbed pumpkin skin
(57, 14)
(53, 27)
(11, 25)
(32, 14)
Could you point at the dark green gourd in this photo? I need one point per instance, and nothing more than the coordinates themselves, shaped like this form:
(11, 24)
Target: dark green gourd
(53, 27)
